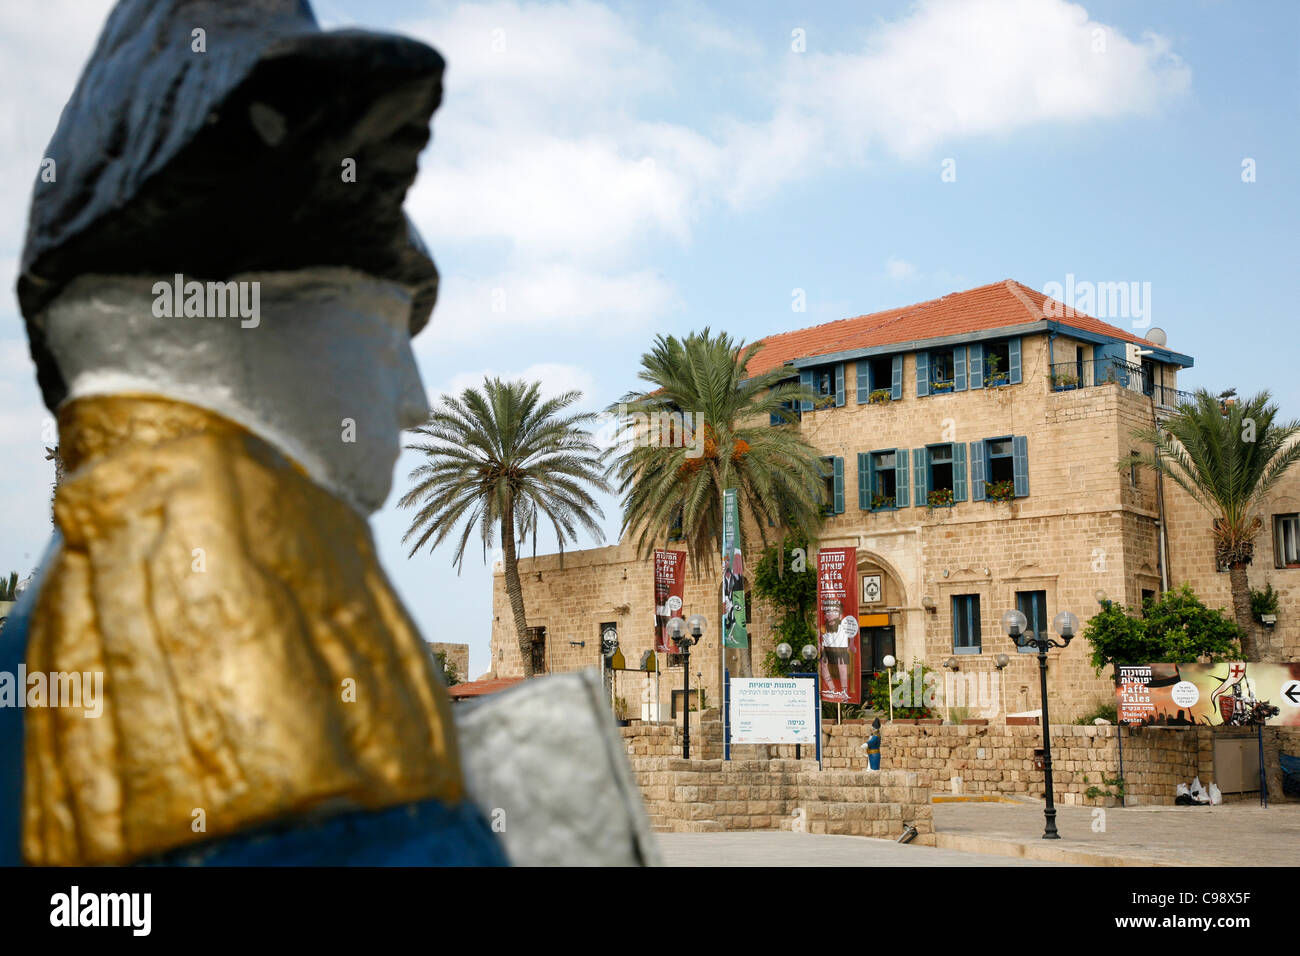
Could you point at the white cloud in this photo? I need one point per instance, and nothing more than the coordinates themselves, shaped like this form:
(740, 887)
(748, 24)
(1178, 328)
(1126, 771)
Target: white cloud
(543, 141)
(899, 269)
(962, 68)
(551, 297)
(555, 379)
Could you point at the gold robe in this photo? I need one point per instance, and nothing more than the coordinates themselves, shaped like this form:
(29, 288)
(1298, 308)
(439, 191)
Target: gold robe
(256, 661)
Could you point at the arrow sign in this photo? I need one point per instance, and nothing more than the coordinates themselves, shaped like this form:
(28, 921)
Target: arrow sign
(1291, 692)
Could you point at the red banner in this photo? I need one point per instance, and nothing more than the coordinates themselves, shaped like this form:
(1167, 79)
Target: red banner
(837, 625)
(670, 585)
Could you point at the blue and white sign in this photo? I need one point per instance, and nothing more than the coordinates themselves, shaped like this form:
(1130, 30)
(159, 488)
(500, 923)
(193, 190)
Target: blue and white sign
(773, 710)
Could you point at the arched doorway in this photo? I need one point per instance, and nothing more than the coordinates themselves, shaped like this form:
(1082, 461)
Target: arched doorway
(881, 600)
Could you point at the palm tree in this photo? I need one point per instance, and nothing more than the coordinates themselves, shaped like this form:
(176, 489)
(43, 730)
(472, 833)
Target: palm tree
(672, 478)
(1227, 456)
(499, 461)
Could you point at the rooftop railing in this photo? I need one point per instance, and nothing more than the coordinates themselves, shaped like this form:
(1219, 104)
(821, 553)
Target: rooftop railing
(1108, 370)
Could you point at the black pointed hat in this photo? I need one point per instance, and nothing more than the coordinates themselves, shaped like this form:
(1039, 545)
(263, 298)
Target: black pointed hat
(223, 151)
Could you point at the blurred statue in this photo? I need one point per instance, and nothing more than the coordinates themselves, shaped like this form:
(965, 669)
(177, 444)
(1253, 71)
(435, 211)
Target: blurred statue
(220, 287)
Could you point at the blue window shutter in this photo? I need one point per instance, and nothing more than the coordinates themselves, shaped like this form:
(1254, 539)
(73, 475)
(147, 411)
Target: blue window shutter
(864, 381)
(1020, 464)
(806, 380)
(959, 471)
(922, 373)
(977, 365)
(920, 478)
(871, 479)
(977, 471)
(864, 482)
(896, 386)
(839, 384)
(959, 369)
(1013, 360)
(900, 478)
(839, 485)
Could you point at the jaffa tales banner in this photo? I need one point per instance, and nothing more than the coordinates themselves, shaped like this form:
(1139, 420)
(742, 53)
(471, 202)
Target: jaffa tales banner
(670, 585)
(1231, 694)
(734, 632)
(837, 623)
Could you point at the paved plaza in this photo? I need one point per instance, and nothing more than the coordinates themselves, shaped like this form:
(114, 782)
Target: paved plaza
(1010, 834)
(1237, 833)
(783, 848)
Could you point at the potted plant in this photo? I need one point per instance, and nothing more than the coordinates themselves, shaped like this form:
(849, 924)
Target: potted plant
(941, 386)
(826, 401)
(620, 711)
(994, 374)
(1064, 381)
(881, 396)
(880, 502)
(940, 498)
(999, 490)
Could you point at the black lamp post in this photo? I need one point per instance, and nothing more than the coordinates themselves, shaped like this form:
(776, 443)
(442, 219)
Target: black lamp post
(1066, 625)
(684, 634)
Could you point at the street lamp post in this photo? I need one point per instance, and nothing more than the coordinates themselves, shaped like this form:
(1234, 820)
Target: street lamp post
(1065, 624)
(684, 634)
(889, 663)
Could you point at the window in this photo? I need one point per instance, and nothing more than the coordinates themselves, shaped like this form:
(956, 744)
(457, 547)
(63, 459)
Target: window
(1033, 605)
(883, 480)
(992, 364)
(966, 623)
(880, 379)
(1000, 461)
(1133, 470)
(833, 478)
(997, 364)
(940, 475)
(792, 414)
(1286, 536)
(827, 381)
(942, 371)
(675, 530)
(999, 469)
(940, 467)
(1147, 595)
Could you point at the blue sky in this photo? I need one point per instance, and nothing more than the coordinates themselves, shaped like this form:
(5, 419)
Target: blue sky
(601, 173)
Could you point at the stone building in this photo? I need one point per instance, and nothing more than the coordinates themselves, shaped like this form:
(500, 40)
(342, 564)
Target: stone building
(971, 445)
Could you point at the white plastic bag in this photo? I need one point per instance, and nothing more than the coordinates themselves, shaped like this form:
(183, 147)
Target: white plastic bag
(1216, 796)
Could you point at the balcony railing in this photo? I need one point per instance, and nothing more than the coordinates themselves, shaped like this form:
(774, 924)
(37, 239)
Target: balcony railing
(1108, 370)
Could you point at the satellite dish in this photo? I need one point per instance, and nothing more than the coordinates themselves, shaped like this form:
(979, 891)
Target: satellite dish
(1157, 337)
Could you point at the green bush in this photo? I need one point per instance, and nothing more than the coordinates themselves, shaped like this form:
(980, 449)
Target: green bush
(876, 693)
(1105, 709)
(1175, 629)
(793, 596)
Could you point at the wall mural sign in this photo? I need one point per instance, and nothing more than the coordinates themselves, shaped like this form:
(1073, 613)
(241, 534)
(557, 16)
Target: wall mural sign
(872, 592)
(1230, 694)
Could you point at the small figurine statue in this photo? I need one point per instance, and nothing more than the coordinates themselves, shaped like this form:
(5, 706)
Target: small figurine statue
(873, 745)
(220, 287)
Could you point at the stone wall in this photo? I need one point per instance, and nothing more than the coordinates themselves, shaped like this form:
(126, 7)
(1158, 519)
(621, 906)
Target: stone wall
(1191, 554)
(457, 656)
(947, 759)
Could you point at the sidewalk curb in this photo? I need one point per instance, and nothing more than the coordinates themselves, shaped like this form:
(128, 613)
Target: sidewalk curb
(1048, 854)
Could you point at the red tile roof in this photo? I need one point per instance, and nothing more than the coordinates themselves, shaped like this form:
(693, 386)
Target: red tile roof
(988, 307)
(477, 688)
